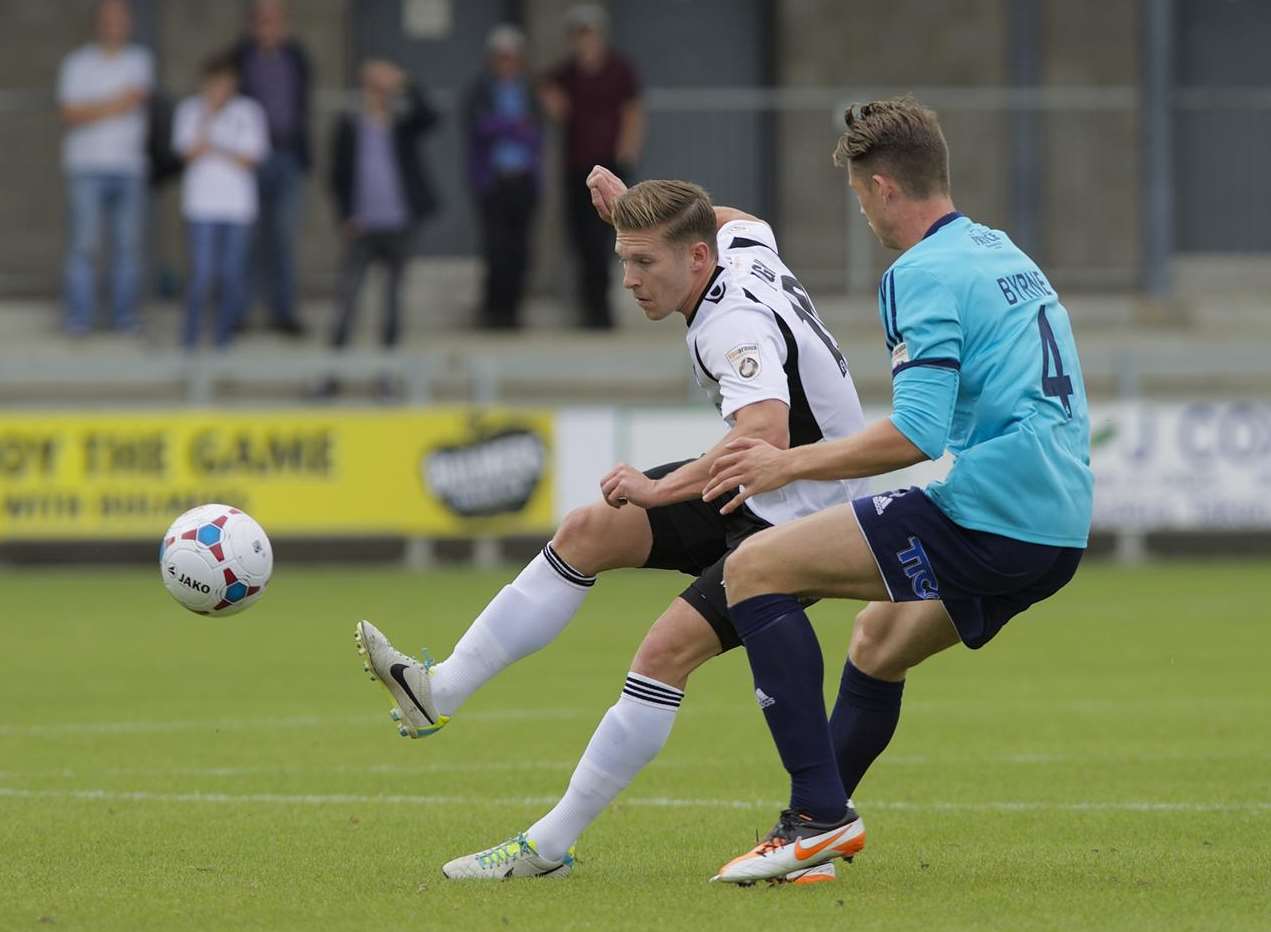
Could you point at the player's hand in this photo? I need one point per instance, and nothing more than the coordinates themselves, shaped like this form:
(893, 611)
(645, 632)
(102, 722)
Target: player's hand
(605, 188)
(627, 485)
(751, 466)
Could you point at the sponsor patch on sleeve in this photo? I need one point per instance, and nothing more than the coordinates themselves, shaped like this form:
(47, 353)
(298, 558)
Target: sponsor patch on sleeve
(745, 360)
(899, 356)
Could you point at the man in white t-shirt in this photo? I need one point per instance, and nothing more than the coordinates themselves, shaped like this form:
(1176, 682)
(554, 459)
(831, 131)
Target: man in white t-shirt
(771, 369)
(102, 89)
(222, 136)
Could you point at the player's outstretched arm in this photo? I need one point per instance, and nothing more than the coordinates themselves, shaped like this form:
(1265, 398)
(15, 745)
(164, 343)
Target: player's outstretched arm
(753, 466)
(606, 187)
(764, 421)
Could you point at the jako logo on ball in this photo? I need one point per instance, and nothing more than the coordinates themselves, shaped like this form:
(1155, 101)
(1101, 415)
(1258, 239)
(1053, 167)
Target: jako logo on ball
(215, 560)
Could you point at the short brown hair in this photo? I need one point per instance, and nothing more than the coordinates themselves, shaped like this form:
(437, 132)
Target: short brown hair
(902, 135)
(683, 207)
(224, 63)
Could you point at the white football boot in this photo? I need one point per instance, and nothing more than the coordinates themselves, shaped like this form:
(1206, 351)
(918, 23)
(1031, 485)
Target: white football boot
(795, 843)
(405, 678)
(516, 857)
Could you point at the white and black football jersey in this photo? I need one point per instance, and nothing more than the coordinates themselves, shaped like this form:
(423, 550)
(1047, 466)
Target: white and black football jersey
(755, 336)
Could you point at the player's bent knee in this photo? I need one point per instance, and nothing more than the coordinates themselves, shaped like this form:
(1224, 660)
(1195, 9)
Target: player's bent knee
(663, 662)
(870, 650)
(590, 539)
(745, 571)
(669, 656)
(576, 527)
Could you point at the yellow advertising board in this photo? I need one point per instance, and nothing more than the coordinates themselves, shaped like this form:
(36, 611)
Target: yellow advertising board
(413, 472)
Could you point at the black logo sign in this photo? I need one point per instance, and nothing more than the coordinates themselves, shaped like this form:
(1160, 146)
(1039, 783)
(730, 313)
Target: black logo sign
(493, 475)
(194, 584)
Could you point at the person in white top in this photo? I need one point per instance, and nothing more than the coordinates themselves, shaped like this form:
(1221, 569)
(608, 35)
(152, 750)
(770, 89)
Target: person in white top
(102, 90)
(773, 371)
(222, 137)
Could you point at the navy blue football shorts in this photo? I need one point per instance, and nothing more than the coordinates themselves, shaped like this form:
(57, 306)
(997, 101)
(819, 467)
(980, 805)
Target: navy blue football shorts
(983, 579)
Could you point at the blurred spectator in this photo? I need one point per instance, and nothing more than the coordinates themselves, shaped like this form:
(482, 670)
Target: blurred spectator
(274, 70)
(102, 89)
(505, 137)
(595, 94)
(381, 189)
(222, 137)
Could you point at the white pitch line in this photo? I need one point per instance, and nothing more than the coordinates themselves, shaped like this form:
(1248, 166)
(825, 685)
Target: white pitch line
(13, 730)
(656, 802)
(445, 767)
(370, 769)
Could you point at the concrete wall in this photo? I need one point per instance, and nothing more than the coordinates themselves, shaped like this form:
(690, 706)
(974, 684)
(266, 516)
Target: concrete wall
(1089, 177)
(1090, 195)
(823, 42)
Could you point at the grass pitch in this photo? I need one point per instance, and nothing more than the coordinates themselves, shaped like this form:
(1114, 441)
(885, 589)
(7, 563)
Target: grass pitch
(1106, 763)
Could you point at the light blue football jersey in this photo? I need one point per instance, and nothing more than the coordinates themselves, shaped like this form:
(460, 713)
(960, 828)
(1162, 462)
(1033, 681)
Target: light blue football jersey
(984, 364)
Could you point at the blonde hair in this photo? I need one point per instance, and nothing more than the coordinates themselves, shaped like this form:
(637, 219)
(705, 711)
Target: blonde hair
(900, 137)
(681, 206)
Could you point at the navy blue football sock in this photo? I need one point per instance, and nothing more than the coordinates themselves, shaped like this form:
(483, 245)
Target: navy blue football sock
(863, 722)
(785, 659)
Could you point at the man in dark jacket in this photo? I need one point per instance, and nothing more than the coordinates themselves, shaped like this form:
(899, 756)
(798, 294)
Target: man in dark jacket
(504, 134)
(274, 70)
(380, 188)
(595, 96)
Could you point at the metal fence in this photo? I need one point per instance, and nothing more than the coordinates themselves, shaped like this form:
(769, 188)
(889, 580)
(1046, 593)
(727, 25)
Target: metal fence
(1105, 185)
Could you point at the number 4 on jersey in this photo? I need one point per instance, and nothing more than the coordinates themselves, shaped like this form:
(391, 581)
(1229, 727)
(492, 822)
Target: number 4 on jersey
(1057, 385)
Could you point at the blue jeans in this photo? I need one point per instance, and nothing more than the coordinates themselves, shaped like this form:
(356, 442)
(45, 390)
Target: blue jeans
(218, 255)
(279, 180)
(121, 198)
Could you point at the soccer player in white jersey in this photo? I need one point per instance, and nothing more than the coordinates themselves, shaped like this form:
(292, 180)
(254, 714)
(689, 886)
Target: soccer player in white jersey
(774, 373)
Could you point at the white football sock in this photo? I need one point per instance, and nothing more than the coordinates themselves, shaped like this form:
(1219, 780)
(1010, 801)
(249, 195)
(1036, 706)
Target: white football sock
(524, 617)
(630, 735)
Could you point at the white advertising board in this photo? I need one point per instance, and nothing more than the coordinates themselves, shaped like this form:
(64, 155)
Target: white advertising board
(1202, 465)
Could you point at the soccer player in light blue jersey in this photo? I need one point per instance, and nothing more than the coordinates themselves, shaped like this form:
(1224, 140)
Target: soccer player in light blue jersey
(984, 365)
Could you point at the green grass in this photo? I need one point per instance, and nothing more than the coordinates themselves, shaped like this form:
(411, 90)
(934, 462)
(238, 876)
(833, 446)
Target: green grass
(1106, 763)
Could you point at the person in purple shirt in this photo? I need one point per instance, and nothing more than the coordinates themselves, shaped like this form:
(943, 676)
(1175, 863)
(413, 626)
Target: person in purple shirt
(274, 70)
(595, 95)
(505, 139)
(381, 192)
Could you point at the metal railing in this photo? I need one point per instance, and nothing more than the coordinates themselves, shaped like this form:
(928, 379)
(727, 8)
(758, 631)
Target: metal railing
(727, 138)
(536, 372)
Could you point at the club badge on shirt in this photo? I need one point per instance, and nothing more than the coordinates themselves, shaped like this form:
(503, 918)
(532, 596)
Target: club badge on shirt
(899, 356)
(745, 360)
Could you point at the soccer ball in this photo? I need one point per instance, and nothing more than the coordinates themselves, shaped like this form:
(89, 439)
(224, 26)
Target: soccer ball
(215, 560)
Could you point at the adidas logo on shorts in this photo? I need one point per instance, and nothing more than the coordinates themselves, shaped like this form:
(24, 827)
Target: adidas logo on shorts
(764, 699)
(881, 502)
